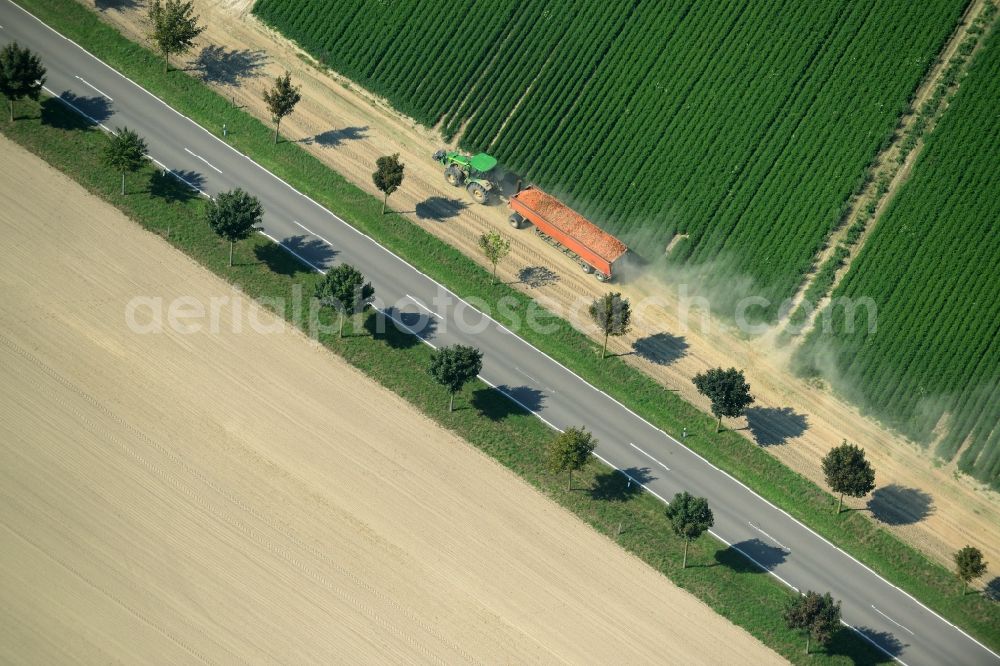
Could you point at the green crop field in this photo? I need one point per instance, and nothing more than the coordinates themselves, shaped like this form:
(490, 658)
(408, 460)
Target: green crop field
(745, 126)
(931, 265)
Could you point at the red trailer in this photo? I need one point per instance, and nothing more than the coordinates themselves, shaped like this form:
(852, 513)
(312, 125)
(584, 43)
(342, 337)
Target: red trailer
(560, 225)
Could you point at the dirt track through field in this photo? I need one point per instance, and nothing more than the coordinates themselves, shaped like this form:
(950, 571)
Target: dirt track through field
(930, 507)
(244, 497)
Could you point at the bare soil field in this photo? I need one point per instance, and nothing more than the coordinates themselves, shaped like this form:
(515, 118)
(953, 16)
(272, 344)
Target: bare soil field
(248, 497)
(931, 507)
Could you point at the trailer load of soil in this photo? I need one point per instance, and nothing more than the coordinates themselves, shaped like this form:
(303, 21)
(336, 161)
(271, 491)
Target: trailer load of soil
(572, 223)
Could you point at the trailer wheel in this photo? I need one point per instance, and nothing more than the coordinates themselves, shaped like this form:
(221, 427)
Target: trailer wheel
(601, 277)
(515, 220)
(454, 175)
(478, 192)
(587, 268)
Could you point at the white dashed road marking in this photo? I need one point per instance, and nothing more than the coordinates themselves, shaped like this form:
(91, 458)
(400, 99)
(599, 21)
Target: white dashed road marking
(781, 545)
(100, 92)
(649, 456)
(203, 160)
(891, 620)
(424, 307)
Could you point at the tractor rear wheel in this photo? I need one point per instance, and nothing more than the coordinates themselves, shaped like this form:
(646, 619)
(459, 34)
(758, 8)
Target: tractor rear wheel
(478, 192)
(454, 175)
(515, 220)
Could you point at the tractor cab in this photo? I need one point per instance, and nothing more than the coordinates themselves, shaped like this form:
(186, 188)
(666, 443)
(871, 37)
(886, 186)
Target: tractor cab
(482, 164)
(471, 171)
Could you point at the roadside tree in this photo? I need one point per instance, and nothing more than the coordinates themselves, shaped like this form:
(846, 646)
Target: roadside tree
(690, 517)
(388, 177)
(969, 565)
(612, 314)
(21, 75)
(174, 27)
(818, 615)
(569, 452)
(344, 289)
(727, 389)
(125, 152)
(234, 216)
(455, 366)
(281, 100)
(848, 472)
(495, 246)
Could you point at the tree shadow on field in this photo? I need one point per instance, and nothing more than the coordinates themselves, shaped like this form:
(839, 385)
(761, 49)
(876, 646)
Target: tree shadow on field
(992, 590)
(750, 555)
(896, 505)
(176, 186)
(845, 642)
(335, 137)
(217, 64)
(497, 404)
(120, 5)
(731, 559)
(629, 483)
(400, 330)
(439, 208)
(56, 114)
(537, 276)
(613, 486)
(660, 348)
(771, 426)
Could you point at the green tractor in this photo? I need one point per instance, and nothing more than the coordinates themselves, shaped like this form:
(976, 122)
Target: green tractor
(471, 171)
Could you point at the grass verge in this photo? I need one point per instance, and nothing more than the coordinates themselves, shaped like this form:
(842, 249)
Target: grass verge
(855, 533)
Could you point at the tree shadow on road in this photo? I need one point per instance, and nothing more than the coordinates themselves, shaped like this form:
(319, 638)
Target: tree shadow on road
(750, 555)
(660, 348)
(896, 505)
(65, 112)
(280, 260)
(176, 187)
(311, 249)
(398, 329)
(496, 404)
(847, 643)
(771, 426)
(216, 64)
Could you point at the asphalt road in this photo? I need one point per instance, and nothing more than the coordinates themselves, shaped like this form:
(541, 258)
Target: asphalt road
(885, 615)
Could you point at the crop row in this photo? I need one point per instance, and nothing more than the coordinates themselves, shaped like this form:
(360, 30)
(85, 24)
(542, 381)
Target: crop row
(932, 367)
(745, 126)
